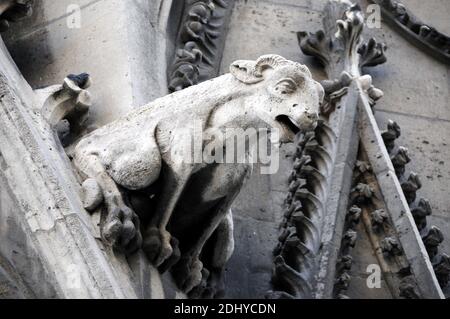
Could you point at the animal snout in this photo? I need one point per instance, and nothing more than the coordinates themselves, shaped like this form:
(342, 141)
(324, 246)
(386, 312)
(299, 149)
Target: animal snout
(308, 120)
(311, 114)
(312, 117)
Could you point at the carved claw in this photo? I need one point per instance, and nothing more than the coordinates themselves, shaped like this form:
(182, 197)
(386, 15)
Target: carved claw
(121, 228)
(212, 285)
(157, 246)
(202, 290)
(173, 259)
(189, 274)
(216, 284)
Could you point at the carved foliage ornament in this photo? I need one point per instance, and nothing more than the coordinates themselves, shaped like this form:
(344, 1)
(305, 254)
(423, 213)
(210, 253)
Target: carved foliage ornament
(298, 254)
(198, 42)
(432, 236)
(341, 50)
(300, 233)
(417, 32)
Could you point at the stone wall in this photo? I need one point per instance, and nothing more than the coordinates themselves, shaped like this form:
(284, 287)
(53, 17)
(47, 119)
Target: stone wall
(121, 44)
(124, 45)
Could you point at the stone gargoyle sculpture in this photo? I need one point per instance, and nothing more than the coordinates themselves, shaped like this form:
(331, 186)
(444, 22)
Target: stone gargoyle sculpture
(137, 166)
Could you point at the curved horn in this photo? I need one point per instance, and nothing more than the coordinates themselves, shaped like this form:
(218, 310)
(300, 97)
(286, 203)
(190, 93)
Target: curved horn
(250, 72)
(271, 60)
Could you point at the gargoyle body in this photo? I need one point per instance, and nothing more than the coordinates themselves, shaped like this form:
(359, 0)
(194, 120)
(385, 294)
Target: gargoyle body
(147, 178)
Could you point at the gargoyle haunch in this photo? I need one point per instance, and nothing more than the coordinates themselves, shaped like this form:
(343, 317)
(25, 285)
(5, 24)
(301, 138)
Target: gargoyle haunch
(137, 165)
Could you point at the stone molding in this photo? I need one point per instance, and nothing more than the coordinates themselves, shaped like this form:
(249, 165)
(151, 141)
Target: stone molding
(199, 42)
(415, 31)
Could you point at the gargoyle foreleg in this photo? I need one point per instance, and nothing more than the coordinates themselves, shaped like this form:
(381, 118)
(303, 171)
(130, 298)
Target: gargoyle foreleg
(120, 228)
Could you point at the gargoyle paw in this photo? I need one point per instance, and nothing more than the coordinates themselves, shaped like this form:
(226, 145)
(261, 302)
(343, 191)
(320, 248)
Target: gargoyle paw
(189, 274)
(121, 229)
(211, 287)
(157, 246)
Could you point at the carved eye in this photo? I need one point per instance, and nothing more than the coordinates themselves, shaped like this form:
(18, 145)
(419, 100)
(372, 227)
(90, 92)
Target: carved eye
(286, 86)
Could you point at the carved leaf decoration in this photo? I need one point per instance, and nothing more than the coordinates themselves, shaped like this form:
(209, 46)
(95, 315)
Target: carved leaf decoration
(316, 45)
(372, 53)
(417, 32)
(198, 43)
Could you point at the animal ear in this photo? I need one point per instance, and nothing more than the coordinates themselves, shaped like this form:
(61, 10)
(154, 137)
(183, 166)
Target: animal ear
(244, 71)
(286, 86)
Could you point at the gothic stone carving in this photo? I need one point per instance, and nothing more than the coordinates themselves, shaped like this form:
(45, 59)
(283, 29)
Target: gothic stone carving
(339, 46)
(420, 208)
(303, 256)
(378, 224)
(417, 32)
(146, 151)
(345, 261)
(299, 242)
(13, 10)
(198, 43)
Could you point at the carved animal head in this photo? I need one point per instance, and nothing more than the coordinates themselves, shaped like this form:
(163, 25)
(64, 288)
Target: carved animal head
(287, 98)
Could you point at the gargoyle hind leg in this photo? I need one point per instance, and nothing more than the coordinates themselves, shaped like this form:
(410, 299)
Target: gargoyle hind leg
(191, 267)
(157, 239)
(120, 228)
(220, 250)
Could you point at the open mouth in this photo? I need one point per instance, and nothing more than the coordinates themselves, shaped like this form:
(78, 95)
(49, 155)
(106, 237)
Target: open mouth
(288, 124)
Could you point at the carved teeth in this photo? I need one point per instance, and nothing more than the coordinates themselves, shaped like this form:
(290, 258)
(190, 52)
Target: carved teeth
(366, 81)
(375, 93)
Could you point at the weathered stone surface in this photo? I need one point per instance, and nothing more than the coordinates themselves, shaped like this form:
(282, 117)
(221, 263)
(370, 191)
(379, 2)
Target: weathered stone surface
(123, 46)
(410, 96)
(60, 240)
(158, 139)
(397, 205)
(138, 46)
(91, 194)
(249, 272)
(277, 23)
(13, 10)
(429, 155)
(433, 12)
